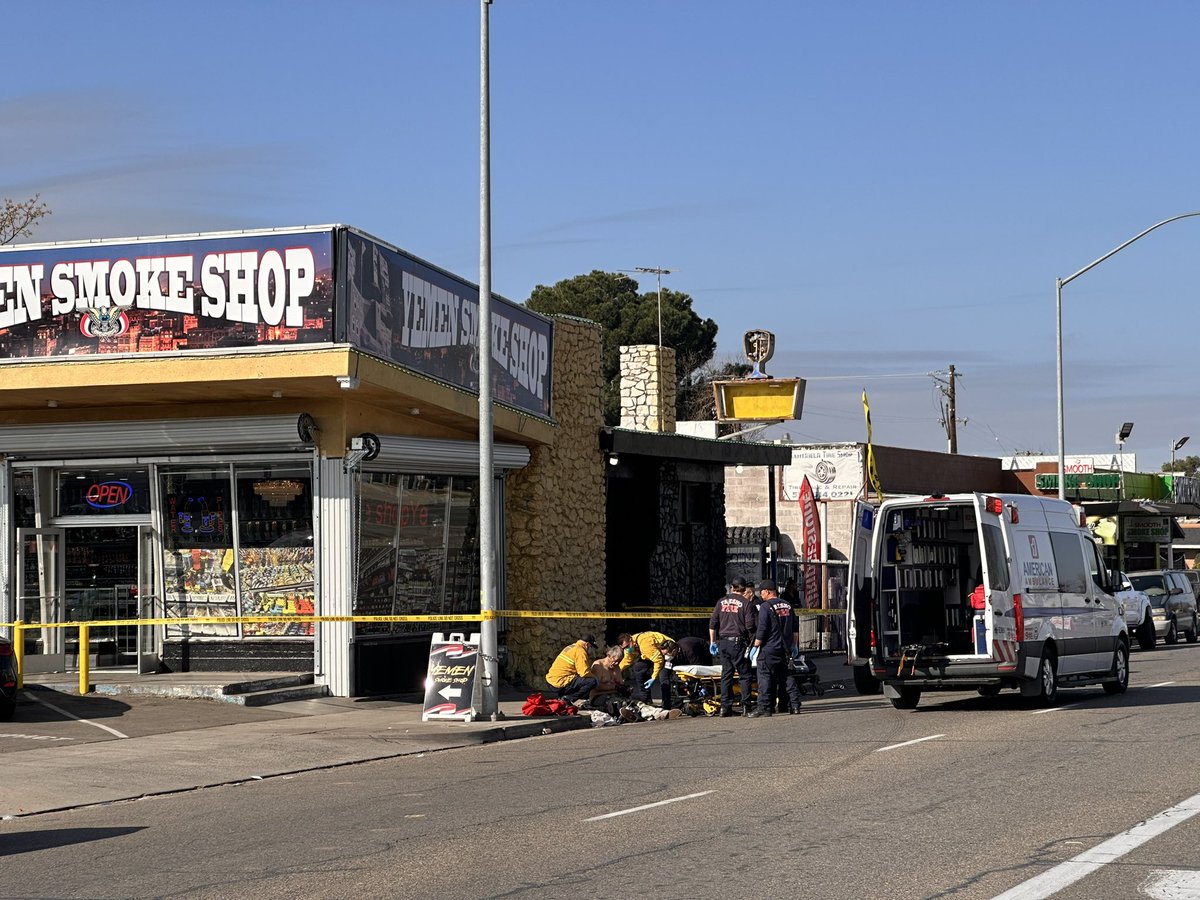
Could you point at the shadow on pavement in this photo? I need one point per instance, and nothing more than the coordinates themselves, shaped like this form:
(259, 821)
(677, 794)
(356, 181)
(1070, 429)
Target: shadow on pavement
(91, 706)
(29, 841)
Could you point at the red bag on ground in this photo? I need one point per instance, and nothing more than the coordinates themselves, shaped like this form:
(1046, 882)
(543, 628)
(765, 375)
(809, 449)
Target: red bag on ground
(536, 705)
(560, 707)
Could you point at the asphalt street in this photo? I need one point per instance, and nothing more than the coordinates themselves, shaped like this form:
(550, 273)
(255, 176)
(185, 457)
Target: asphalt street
(964, 797)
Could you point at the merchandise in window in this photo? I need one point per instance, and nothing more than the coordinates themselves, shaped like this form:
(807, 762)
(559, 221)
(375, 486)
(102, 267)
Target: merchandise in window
(276, 557)
(198, 558)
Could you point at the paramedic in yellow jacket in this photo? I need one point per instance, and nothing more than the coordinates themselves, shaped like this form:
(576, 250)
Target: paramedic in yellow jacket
(571, 672)
(649, 668)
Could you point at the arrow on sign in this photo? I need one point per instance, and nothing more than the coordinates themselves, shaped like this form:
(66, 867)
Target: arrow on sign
(449, 692)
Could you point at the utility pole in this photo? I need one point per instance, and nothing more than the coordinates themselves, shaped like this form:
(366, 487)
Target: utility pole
(950, 410)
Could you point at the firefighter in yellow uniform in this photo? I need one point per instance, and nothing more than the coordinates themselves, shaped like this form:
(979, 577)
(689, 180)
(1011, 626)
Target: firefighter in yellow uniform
(571, 672)
(645, 666)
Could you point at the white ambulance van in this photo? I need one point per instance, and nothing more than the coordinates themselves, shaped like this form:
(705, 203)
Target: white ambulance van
(980, 592)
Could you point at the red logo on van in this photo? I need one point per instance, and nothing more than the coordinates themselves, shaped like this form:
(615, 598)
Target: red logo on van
(108, 494)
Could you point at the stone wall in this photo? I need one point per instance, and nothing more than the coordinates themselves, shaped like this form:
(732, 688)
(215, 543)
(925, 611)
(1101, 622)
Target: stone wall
(648, 388)
(555, 514)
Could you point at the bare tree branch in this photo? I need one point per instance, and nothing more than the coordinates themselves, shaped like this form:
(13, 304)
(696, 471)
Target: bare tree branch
(18, 217)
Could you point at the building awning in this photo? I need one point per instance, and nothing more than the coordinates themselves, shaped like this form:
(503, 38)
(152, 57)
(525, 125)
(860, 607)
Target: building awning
(1139, 508)
(693, 449)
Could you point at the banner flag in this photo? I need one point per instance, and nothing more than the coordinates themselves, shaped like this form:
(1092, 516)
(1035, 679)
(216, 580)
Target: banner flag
(872, 472)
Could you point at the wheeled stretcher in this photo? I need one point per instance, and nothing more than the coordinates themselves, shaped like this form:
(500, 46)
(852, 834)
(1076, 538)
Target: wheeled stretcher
(699, 687)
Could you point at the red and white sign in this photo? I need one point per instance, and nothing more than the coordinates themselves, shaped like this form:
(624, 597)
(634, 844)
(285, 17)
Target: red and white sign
(810, 544)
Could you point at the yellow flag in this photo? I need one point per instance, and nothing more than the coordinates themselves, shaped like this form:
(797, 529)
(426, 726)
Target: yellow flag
(872, 472)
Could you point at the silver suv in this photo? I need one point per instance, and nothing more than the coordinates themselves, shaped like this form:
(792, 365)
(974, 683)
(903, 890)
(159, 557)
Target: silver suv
(1172, 603)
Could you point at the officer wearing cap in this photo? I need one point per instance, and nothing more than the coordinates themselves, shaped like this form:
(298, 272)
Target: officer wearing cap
(777, 640)
(729, 630)
(571, 673)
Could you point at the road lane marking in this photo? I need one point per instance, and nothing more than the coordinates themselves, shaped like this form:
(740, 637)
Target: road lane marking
(932, 737)
(36, 737)
(1171, 884)
(63, 712)
(1055, 708)
(625, 812)
(1162, 684)
(1067, 873)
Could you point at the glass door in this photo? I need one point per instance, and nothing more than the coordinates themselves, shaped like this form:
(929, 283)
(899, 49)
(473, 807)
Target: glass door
(102, 585)
(150, 603)
(41, 598)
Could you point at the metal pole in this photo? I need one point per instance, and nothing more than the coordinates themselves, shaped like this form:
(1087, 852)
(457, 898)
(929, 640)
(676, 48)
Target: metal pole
(772, 533)
(1058, 286)
(489, 644)
(1062, 444)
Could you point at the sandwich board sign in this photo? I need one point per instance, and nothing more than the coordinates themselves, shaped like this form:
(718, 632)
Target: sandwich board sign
(450, 683)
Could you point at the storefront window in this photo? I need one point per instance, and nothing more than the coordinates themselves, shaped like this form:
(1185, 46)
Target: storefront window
(198, 563)
(271, 571)
(24, 506)
(276, 554)
(418, 549)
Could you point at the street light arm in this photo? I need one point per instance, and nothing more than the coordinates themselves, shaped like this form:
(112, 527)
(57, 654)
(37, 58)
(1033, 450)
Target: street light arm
(1117, 250)
(1058, 286)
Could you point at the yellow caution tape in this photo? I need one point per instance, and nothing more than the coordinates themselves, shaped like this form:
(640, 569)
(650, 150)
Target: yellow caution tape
(674, 613)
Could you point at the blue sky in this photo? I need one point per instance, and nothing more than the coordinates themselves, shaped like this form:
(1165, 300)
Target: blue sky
(889, 187)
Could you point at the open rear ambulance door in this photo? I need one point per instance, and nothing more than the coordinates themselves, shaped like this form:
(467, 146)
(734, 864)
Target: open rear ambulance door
(860, 598)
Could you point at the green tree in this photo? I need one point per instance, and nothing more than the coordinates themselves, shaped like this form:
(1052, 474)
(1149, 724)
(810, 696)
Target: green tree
(1186, 465)
(628, 317)
(17, 217)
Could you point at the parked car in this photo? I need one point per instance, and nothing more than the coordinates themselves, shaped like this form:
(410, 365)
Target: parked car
(1172, 601)
(1139, 615)
(8, 680)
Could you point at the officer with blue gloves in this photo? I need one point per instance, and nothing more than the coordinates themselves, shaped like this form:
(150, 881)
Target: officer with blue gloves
(777, 640)
(729, 630)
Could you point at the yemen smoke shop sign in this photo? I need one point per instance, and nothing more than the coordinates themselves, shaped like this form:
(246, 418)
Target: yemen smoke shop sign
(450, 684)
(166, 295)
(406, 311)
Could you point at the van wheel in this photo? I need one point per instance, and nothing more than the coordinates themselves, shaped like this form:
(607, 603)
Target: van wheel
(1172, 635)
(866, 683)
(1120, 669)
(1146, 637)
(989, 690)
(908, 699)
(1047, 694)
(1190, 634)
(7, 708)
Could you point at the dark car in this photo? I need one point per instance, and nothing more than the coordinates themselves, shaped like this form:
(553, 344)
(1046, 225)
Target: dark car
(8, 680)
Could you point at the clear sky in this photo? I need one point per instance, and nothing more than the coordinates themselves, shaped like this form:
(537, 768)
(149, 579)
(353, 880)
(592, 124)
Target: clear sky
(889, 187)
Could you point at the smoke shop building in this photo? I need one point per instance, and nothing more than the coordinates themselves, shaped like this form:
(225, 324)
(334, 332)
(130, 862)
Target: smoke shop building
(271, 423)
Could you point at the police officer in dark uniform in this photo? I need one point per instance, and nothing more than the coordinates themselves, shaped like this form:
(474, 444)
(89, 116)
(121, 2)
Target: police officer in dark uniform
(729, 629)
(777, 641)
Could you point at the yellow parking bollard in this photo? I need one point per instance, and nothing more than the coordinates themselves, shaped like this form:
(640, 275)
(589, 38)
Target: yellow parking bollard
(84, 655)
(19, 651)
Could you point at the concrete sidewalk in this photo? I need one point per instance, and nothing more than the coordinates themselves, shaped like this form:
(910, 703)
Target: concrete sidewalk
(319, 734)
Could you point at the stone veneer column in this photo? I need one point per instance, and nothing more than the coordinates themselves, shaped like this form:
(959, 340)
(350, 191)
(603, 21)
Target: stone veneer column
(555, 514)
(648, 388)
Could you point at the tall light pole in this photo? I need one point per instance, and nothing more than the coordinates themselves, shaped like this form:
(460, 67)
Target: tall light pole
(1058, 286)
(1175, 445)
(489, 644)
(1122, 437)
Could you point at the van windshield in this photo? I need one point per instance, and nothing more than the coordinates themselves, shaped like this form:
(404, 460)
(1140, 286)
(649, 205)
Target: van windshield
(1154, 587)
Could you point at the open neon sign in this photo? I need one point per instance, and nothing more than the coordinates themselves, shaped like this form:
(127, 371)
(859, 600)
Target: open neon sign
(108, 494)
